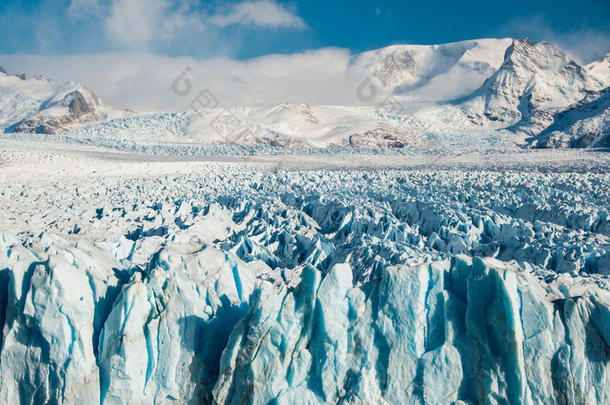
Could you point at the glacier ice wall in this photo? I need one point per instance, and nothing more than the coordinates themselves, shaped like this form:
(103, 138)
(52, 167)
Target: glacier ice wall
(198, 325)
(468, 330)
(78, 330)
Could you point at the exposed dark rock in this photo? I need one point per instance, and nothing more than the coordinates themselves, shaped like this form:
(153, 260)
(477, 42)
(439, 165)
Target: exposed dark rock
(80, 107)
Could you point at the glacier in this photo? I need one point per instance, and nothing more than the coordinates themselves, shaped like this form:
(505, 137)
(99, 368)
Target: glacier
(462, 329)
(233, 282)
(413, 247)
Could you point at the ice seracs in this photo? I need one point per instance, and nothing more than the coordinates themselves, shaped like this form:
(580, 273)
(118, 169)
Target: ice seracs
(79, 330)
(198, 325)
(466, 330)
(209, 282)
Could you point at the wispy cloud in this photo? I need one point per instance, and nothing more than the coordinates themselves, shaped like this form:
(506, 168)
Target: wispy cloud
(264, 13)
(143, 81)
(142, 24)
(79, 9)
(136, 23)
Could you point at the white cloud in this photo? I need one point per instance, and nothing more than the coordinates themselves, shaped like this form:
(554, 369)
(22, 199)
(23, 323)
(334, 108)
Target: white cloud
(133, 22)
(143, 81)
(136, 24)
(264, 13)
(83, 8)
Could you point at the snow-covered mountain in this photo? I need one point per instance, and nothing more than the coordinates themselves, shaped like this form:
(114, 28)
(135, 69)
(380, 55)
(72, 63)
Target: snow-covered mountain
(432, 72)
(518, 89)
(533, 80)
(301, 124)
(585, 123)
(601, 69)
(39, 105)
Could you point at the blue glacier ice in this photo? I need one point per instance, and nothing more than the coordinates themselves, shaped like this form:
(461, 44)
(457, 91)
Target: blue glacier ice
(470, 330)
(422, 287)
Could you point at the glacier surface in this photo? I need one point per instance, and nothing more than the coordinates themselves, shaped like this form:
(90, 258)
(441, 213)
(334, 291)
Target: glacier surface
(236, 283)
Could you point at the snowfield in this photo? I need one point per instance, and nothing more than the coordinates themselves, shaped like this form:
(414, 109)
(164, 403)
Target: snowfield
(303, 278)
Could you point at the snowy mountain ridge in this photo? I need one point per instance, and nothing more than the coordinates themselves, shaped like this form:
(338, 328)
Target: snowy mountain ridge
(433, 72)
(601, 69)
(581, 124)
(534, 79)
(471, 88)
(38, 105)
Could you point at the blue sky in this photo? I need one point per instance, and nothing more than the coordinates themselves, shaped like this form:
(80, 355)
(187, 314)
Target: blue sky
(252, 28)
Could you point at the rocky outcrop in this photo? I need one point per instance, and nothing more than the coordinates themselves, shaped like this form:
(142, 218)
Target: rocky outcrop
(58, 115)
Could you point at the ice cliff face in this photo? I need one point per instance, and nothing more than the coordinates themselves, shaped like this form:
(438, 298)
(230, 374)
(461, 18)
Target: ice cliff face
(195, 326)
(78, 330)
(467, 331)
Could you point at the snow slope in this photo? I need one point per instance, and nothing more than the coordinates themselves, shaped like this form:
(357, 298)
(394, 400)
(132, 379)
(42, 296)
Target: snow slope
(432, 72)
(298, 125)
(586, 123)
(601, 69)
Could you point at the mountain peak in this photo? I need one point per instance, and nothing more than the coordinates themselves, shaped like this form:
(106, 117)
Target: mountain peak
(536, 55)
(430, 71)
(52, 108)
(533, 78)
